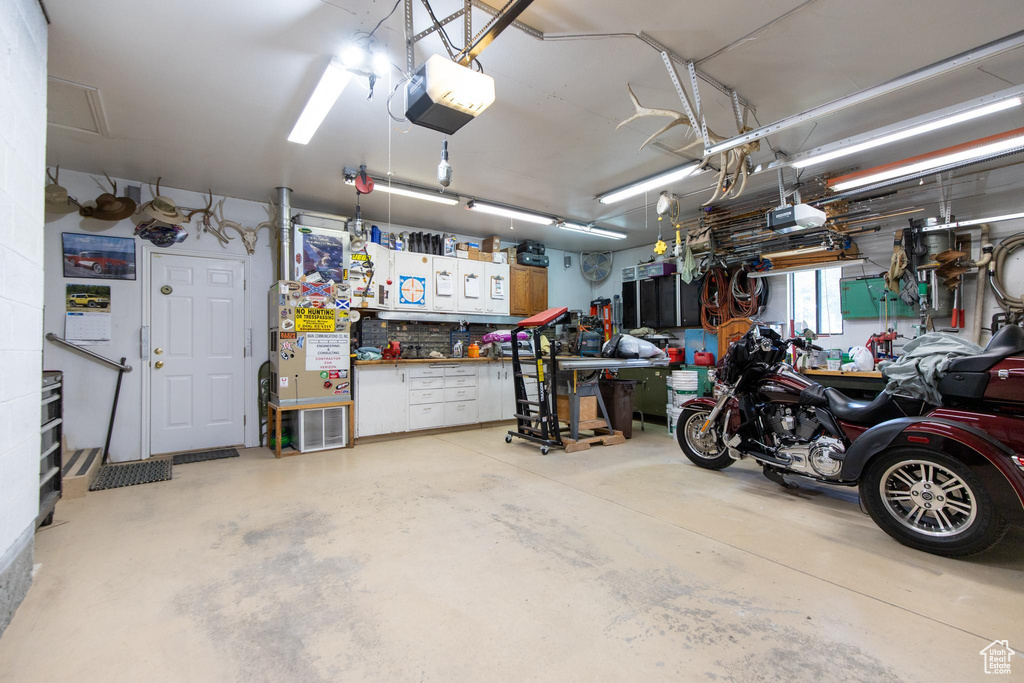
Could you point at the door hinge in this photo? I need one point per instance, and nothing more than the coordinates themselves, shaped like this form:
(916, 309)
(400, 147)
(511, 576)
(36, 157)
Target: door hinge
(245, 284)
(245, 420)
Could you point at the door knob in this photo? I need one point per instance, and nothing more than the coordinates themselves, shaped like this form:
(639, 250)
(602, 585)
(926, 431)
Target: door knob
(158, 350)
(159, 364)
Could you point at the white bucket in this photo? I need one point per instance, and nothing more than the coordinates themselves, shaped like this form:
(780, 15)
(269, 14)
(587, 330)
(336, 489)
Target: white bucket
(673, 417)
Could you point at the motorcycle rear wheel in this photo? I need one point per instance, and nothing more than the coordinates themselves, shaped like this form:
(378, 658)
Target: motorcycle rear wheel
(960, 520)
(705, 450)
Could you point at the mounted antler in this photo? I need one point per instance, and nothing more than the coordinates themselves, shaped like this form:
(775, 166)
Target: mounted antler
(113, 185)
(205, 225)
(249, 235)
(732, 173)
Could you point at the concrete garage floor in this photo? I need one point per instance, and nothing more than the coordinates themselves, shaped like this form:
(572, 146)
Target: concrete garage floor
(458, 557)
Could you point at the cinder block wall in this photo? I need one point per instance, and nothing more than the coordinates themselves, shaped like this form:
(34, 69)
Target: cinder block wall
(22, 178)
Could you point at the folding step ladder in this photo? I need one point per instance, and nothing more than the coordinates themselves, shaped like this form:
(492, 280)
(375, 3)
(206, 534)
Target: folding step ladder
(537, 420)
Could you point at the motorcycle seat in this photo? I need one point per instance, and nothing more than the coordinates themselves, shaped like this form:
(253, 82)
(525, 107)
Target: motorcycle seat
(880, 409)
(1004, 343)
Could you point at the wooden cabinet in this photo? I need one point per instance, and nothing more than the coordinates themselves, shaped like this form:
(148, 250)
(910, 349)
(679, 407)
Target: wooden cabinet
(529, 289)
(538, 290)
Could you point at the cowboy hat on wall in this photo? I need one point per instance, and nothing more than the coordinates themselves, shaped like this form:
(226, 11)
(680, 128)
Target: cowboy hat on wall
(57, 199)
(163, 209)
(108, 206)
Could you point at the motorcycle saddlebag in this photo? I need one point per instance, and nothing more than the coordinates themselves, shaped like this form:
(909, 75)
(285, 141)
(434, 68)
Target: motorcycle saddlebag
(525, 259)
(530, 247)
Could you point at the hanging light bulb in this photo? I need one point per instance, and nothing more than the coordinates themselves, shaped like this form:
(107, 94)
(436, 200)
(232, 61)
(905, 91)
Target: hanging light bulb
(444, 169)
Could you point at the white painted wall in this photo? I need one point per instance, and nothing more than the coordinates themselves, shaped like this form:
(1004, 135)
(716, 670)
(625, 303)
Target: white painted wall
(22, 153)
(89, 386)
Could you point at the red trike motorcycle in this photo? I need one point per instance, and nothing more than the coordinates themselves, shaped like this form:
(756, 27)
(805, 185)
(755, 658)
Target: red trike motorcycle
(944, 479)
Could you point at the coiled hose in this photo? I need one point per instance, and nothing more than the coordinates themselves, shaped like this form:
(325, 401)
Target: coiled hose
(1008, 301)
(714, 299)
(745, 294)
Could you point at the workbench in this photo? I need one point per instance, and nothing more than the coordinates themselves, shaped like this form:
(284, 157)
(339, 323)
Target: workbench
(856, 384)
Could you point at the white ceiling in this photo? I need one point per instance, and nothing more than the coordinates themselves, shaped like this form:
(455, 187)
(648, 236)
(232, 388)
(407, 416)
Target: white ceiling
(204, 94)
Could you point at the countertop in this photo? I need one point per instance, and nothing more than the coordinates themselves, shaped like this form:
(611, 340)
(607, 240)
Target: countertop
(403, 361)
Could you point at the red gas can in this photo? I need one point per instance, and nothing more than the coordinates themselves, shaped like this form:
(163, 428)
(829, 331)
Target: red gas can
(703, 358)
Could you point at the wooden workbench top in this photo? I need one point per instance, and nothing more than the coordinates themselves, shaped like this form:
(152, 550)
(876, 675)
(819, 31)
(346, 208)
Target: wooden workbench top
(839, 373)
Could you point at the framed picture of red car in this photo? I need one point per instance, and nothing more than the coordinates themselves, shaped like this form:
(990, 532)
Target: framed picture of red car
(98, 256)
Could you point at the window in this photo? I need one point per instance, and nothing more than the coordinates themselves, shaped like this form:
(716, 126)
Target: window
(814, 300)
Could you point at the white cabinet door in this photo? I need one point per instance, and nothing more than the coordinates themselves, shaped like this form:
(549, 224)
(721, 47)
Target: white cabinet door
(508, 389)
(375, 292)
(381, 399)
(445, 275)
(413, 290)
(491, 391)
(471, 286)
(497, 290)
(460, 413)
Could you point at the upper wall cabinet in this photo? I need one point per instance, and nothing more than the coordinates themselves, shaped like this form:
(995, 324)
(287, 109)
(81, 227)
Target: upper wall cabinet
(471, 285)
(528, 290)
(412, 281)
(444, 282)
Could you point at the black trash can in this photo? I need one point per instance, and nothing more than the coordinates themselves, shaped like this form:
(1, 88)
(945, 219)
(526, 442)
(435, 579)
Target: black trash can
(617, 395)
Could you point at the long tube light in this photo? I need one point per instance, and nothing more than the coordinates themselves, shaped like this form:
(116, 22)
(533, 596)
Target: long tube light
(933, 162)
(417, 194)
(652, 183)
(974, 221)
(910, 132)
(497, 210)
(591, 230)
(327, 91)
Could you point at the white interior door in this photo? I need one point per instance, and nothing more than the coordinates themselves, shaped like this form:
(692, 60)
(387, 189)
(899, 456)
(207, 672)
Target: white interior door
(197, 353)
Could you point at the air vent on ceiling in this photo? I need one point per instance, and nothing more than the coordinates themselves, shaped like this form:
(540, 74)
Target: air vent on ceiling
(76, 107)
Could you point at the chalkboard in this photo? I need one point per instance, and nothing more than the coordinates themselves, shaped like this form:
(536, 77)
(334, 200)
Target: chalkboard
(864, 299)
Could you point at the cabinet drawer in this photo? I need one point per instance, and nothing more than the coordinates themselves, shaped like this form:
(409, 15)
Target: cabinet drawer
(425, 371)
(459, 394)
(466, 381)
(461, 370)
(426, 383)
(427, 416)
(419, 396)
(460, 413)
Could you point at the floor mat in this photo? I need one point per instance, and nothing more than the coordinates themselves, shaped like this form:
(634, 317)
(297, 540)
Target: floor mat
(130, 474)
(186, 458)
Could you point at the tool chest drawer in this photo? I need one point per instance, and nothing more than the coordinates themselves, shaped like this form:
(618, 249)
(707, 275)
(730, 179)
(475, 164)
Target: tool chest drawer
(426, 416)
(459, 394)
(419, 396)
(460, 381)
(465, 370)
(426, 383)
(460, 413)
(417, 371)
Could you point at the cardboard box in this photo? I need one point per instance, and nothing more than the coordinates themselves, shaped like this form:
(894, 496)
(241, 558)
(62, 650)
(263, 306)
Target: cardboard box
(510, 253)
(491, 244)
(499, 257)
(461, 253)
(588, 408)
(474, 253)
(462, 246)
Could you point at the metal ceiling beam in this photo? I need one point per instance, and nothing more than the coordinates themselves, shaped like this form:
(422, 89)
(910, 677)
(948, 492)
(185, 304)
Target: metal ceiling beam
(447, 20)
(525, 28)
(713, 82)
(500, 21)
(961, 60)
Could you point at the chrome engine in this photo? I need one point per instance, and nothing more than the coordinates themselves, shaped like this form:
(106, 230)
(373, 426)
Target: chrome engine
(794, 432)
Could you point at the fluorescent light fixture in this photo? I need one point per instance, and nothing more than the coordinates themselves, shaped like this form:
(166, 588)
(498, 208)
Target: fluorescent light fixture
(591, 230)
(934, 162)
(652, 183)
(975, 221)
(353, 56)
(910, 132)
(334, 80)
(381, 63)
(496, 210)
(416, 194)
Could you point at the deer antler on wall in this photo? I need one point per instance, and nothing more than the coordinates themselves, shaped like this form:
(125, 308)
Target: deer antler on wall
(249, 235)
(206, 225)
(732, 173)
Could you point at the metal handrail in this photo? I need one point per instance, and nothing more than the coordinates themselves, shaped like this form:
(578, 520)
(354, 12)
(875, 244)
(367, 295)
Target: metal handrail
(86, 352)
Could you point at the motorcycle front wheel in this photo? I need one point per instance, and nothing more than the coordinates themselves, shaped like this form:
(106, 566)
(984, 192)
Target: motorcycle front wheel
(704, 450)
(931, 502)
